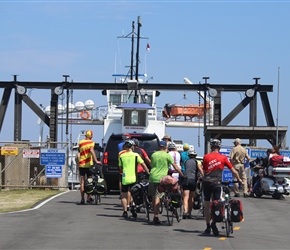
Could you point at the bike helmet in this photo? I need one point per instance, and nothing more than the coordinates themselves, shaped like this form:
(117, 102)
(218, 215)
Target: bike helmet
(171, 146)
(89, 133)
(126, 136)
(192, 152)
(129, 144)
(185, 146)
(136, 141)
(215, 143)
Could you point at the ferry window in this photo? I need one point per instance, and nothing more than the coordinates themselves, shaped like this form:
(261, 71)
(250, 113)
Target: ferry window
(147, 99)
(135, 118)
(115, 99)
(129, 98)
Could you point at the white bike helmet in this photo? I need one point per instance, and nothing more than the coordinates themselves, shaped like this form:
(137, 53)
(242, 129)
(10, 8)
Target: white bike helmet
(215, 143)
(171, 146)
(192, 152)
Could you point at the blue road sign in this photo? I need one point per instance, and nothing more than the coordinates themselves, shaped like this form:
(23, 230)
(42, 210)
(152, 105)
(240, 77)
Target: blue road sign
(285, 152)
(53, 171)
(227, 175)
(52, 156)
(226, 150)
(258, 153)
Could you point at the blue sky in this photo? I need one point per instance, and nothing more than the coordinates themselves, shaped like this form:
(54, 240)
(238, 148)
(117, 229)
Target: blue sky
(229, 41)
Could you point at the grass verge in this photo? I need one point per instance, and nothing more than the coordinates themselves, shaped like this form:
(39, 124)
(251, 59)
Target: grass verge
(20, 199)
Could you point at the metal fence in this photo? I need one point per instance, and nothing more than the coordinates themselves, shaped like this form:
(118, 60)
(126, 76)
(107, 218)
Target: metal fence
(20, 165)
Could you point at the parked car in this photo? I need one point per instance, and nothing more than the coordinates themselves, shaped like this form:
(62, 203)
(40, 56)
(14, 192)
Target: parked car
(149, 142)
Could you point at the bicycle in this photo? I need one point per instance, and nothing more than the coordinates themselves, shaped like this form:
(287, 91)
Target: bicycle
(173, 207)
(146, 200)
(142, 198)
(226, 200)
(98, 184)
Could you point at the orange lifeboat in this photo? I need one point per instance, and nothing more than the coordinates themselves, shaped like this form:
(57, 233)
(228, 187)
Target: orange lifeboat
(189, 111)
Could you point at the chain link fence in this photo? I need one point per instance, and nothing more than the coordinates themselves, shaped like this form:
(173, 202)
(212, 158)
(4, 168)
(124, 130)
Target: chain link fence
(20, 165)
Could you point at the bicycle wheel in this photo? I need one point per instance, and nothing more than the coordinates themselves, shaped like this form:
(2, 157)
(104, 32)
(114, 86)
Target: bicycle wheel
(227, 222)
(146, 206)
(97, 199)
(161, 205)
(170, 212)
(178, 213)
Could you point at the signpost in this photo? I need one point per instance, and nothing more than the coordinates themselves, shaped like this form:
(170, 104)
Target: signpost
(30, 153)
(52, 156)
(53, 171)
(53, 159)
(9, 150)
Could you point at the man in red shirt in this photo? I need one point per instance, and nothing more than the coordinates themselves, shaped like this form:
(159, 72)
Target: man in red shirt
(213, 166)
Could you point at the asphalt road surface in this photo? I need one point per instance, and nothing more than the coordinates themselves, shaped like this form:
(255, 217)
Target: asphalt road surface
(61, 223)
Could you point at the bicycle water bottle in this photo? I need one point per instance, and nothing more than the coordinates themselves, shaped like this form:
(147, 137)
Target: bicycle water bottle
(226, 197)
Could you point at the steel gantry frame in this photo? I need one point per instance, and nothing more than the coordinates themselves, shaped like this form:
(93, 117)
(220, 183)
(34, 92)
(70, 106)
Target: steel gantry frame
(220, 129)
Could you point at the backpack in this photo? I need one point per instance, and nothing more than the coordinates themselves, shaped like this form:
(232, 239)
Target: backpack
(196, 203)
(89, 186)
(137, 194)
(236, 211)
(217, 211)
(168, 183)
(176, 199)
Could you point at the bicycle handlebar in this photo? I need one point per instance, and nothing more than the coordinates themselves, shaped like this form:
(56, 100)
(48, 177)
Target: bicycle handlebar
(228, 182)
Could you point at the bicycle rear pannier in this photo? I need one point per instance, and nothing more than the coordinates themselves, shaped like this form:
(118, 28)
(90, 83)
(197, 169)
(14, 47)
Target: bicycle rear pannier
(176, 199)
(196, 203)
(217, 211)
(89, 186)
(168, 183)
(137, 194)
(236, 211)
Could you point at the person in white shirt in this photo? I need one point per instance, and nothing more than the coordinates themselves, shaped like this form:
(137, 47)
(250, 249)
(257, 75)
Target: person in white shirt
(176, 158)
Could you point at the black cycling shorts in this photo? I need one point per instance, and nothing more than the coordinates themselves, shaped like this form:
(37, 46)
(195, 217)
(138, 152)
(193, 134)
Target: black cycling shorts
(211, 190)
(189, 185)
(85, 172)
(126, 188)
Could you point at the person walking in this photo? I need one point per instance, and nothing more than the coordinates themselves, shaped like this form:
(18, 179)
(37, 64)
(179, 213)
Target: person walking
(159, 168)
(184, 156)
(143, 155)
(127, 163)
(167, 139)
(176, 158)
(87, 157)
(121, 150)
(125, 137)
(239, 158)
(188, 185)
(213, 166)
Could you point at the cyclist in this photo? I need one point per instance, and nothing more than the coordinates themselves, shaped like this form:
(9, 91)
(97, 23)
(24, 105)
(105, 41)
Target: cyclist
(127, 163)
(213, 166)
(184, 155)
(176, 158)
(191, 169)
(159, 168)
(86, 158)
(125, 137)
(143, 155)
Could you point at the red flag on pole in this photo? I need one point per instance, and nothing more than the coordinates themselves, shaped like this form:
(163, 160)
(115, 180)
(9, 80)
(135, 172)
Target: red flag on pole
(148, 47)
